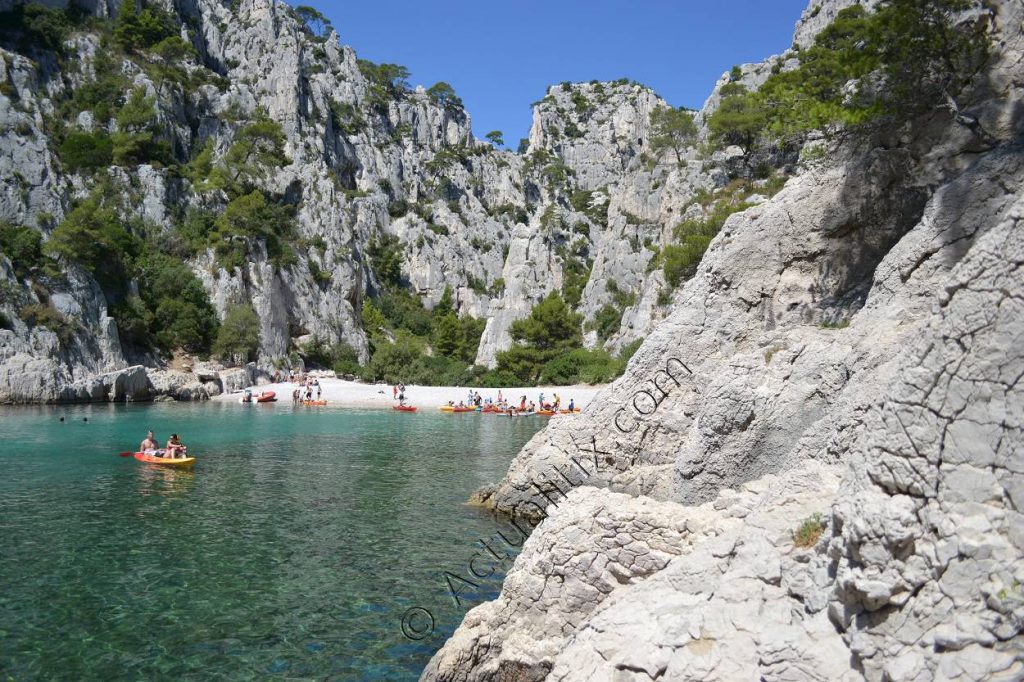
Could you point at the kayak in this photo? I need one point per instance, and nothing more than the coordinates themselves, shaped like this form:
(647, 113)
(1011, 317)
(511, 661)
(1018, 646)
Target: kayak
(403, 408)
(184, 463)
(267, 397)
(449, 408)
(315, 403)
(546, 413)
(517, 414)
(576, 411)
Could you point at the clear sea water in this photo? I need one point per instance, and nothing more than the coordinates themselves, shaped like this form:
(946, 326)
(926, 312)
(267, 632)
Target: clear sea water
(292, 550)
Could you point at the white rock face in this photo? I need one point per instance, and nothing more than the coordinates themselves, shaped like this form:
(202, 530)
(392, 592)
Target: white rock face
(610, 583)
(849, 348)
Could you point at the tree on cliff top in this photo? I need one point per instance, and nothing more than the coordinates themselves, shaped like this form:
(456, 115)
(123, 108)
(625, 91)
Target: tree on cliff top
(904, 59)
(673, 129)
(315, 22)
(443, 94)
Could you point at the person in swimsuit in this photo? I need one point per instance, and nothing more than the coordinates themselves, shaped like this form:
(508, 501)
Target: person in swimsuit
(149, 444)
(175, 448)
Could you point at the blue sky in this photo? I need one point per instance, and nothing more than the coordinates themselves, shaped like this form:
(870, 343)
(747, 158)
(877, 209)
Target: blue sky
(500, 55)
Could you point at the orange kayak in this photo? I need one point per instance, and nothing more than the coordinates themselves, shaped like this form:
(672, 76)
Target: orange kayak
(315, 403)
(184, 463)
(403, 408)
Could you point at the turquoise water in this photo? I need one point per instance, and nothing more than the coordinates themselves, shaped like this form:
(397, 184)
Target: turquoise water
(290, 552)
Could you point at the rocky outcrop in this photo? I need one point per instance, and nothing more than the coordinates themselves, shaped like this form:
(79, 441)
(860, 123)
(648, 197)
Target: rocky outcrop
(614, 585)
(846, 359)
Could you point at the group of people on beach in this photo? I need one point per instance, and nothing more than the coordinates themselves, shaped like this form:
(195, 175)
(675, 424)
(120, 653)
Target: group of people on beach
(306, 392)
(501, 404)
(175, 448)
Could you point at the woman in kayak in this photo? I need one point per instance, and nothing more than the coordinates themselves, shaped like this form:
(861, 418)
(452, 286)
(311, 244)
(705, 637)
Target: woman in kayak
(175, 448)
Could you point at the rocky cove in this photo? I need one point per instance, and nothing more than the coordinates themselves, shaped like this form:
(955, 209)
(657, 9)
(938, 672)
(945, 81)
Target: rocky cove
(810, 469)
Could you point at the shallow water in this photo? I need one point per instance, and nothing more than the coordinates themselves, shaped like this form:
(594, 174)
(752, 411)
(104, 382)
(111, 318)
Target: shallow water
(291, 551)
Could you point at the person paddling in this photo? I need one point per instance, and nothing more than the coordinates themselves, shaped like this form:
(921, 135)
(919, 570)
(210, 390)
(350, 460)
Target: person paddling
(149, 444)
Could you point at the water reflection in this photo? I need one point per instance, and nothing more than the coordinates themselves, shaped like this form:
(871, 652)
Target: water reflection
(156, 480)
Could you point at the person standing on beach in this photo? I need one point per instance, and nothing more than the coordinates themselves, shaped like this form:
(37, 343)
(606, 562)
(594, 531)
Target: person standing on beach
(318, 389)
(394, 392)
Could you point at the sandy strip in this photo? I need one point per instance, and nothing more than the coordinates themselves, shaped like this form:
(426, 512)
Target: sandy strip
(352, 394)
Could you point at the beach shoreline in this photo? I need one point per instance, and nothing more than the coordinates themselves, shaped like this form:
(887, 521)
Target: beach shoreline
(342, 393)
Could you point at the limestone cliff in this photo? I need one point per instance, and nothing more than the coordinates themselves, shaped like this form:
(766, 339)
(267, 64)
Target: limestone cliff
(364, 159)
(844, 362)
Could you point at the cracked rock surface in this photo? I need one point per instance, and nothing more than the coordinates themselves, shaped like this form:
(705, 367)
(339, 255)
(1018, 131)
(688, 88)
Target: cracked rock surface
(848, 358)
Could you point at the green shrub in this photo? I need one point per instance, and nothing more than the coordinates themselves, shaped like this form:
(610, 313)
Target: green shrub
(93, 236)
(341, 357)
(135, 141)
(385, 252)
(178, 309)
(404, 311)
(136, 29)
(197, 229)
(607, 321)
(100, 96)
(174, 49)
(398, 208)
(23, 246)
(346, 118)
(919, 50)
(550, 325)
(372, 318)
(456, 338)
(809, 531)
(45, 315)
(581, 366)
(86, 151)
(257, 150)
(238, 339)
(251, 216)
(630, 349)
(33, 26)
(387, 82)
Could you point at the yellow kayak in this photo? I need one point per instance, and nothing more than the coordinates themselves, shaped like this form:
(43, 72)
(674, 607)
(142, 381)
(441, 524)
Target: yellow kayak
(183, 463)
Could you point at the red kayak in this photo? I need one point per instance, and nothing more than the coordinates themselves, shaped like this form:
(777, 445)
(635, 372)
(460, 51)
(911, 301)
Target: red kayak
(403, 408)
(180, 462)
(266, 397)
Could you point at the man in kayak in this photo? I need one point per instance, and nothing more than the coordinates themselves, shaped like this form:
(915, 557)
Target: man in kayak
(149, 444)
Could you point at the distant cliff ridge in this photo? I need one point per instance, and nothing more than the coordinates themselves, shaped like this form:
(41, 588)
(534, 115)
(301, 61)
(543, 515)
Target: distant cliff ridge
(244, 141)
